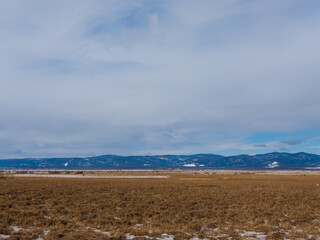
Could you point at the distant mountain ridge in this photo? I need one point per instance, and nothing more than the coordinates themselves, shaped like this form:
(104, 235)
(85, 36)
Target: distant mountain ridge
(274, 160)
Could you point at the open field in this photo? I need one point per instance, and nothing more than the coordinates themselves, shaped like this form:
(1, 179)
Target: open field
(183, 206)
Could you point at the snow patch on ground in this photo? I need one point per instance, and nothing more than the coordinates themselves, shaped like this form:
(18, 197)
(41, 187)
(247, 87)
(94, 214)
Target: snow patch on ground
(99, 231)
(166, 236)
(195, 238)
(16, 229)
(129, 236)
(147, 237)
(4, 236)
(251, 234)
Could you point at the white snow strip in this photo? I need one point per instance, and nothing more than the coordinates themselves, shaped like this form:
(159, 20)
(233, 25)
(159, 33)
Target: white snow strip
(189, 165)
(4, 236)
(79, 176)
(273, 165)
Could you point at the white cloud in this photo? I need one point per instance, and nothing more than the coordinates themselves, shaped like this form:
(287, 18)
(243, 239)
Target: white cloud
(128, 77)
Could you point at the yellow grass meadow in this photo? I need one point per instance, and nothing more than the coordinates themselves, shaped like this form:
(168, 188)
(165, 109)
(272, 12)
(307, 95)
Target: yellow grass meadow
(182, 206)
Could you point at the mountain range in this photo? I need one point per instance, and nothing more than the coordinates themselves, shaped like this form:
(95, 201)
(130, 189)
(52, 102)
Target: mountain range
(275, 160)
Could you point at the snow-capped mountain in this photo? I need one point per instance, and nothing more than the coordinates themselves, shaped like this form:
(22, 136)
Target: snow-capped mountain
(273, 160)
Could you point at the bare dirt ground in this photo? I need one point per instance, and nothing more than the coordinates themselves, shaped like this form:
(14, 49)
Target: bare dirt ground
(236, 205)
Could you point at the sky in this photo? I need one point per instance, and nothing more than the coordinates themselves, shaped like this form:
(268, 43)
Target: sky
(85, 78)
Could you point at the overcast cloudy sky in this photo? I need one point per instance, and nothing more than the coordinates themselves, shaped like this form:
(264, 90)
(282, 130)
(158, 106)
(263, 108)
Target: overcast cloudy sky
(82, 78)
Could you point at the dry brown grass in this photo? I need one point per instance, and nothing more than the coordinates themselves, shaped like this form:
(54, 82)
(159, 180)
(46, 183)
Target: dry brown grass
(214, 206)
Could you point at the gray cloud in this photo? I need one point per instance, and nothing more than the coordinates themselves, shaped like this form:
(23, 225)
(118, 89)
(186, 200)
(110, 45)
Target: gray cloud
(293, 141)
(260, 145)
(133, 77)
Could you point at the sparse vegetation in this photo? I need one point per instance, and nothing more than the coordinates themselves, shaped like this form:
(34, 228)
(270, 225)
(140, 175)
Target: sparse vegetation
(212, 206)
